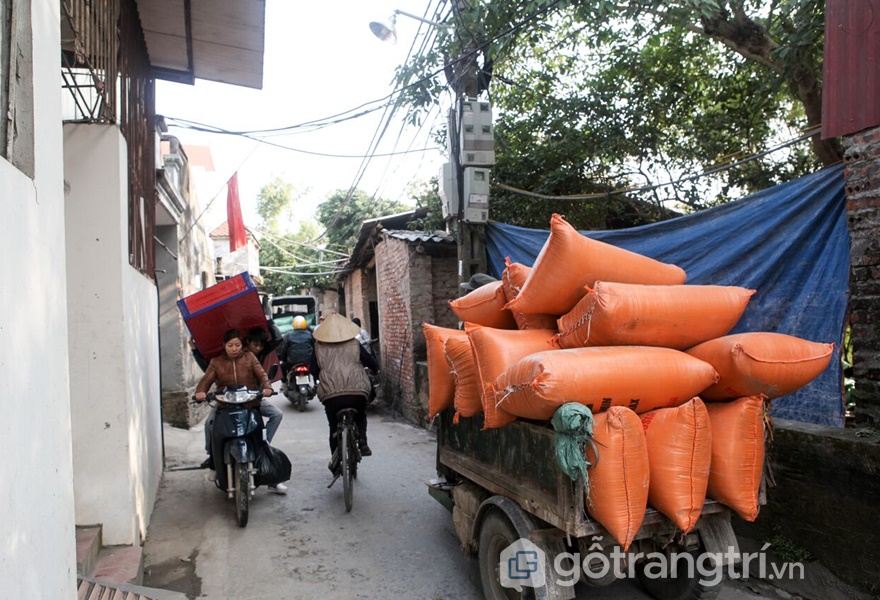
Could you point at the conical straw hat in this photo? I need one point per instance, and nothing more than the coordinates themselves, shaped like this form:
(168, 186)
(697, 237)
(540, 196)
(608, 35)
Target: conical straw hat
(336, 328)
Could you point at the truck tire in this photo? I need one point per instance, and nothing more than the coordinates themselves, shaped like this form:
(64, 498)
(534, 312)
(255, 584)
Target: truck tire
(677, 588)
(496, 534)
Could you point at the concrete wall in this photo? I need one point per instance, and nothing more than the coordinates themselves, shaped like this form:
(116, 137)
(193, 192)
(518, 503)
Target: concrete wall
(38, 553)
(360, 288)
(113, 314)
(191, 271)
(862, 172)
(826, 498)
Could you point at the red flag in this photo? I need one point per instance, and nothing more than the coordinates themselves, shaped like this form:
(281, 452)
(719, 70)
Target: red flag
(237, 235)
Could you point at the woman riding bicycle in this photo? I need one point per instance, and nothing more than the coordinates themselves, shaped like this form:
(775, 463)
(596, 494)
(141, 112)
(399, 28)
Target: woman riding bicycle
(338, 363)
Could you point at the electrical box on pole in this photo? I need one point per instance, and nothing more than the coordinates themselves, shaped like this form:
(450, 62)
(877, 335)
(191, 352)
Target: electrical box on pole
(448, 184)
(476, 195)
(476, 137)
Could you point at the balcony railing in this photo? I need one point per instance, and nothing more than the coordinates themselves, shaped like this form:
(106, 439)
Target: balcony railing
(106, 71)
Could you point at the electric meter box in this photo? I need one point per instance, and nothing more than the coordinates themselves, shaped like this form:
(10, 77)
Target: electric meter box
(448, 188)
(477, 158)
(477, 136)
(476, 195)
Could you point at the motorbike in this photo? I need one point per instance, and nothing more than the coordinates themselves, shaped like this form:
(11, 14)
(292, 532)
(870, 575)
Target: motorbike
(300, 386)
(374, 385)
(237, 433)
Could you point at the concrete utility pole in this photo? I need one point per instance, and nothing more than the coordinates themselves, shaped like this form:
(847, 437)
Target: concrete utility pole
(471, 152)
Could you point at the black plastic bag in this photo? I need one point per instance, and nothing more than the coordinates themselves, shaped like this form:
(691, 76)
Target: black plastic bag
(273, 466)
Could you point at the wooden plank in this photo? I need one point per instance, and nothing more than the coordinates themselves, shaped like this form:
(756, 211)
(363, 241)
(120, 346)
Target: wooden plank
(83, 590)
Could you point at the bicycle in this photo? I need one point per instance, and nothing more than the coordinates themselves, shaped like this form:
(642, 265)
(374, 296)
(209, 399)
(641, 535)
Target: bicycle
(347, 455)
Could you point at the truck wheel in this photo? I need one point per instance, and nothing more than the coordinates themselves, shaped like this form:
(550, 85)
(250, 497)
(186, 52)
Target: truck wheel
(496, 534)
(676, 588)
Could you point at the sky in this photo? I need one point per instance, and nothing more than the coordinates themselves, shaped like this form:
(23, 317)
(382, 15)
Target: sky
(320, 59)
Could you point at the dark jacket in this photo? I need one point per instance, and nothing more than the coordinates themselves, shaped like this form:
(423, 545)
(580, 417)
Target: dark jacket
(339, 369)
(298, 347)
(244, 370)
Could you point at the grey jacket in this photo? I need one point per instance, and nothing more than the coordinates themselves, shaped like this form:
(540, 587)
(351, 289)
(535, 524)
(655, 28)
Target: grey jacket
(341, 371)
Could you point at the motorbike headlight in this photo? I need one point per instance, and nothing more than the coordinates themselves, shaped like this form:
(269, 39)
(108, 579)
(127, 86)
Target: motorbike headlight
(236, 396)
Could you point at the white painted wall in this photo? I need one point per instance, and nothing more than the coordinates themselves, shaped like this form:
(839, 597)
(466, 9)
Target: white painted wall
(114, 351)
(37, 552)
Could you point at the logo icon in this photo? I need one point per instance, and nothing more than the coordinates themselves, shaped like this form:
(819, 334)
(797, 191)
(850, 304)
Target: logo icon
(521, 565)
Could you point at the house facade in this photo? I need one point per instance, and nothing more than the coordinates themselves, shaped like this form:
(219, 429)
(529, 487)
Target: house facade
(81, 307)
(396, 280)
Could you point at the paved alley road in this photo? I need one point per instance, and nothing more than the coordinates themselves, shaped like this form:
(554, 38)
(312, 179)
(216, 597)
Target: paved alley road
(397, 543)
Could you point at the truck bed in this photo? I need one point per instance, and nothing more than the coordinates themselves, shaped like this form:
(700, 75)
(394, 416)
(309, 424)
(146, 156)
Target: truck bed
(519, 461)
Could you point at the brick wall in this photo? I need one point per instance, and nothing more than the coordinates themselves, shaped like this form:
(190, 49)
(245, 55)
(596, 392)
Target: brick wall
(393, 281)
(862, 173)
(414, 288)
(445, 273)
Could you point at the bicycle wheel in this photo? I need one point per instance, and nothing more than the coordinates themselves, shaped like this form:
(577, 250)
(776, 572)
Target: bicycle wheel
(345, 463)
(355, 451)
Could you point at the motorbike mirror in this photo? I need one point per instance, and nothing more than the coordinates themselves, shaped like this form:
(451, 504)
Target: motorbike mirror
(273, 371)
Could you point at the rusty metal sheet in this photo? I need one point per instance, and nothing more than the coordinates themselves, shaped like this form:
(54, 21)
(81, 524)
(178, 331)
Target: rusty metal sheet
(851, 78)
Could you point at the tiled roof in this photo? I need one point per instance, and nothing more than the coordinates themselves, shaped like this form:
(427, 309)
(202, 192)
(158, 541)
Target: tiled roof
(221, 231)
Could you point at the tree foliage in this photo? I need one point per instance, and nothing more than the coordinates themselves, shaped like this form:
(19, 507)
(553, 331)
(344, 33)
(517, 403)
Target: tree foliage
(343, 213)
(426, 195)
(595, 97)
(275, 203)
(292, 263)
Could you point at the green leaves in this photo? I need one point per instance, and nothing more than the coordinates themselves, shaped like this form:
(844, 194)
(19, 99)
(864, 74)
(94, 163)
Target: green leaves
(599, 96)
(343, 213)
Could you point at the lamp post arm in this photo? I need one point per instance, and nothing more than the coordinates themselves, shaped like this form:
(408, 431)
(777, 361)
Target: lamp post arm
(417, 18)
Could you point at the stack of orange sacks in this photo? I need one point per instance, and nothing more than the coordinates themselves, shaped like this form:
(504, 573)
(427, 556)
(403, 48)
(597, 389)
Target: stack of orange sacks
(676, 400)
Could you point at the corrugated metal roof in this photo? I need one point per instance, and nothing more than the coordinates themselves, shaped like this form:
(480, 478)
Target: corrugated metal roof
(851, 78)
(419, 236)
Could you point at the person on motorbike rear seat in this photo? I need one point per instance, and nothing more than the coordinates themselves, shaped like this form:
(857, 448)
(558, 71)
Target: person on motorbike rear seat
(258, 344)
(338, 362)
(298, 345)
(236, 367)
(262, 343)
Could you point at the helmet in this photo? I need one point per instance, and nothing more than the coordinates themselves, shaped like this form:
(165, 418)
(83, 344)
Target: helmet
(299, 323)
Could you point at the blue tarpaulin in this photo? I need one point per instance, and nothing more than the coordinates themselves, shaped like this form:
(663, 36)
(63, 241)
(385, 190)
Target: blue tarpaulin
(789, 242)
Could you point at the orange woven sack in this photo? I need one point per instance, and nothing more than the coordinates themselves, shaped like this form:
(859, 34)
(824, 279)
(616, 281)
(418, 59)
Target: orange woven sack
(494, 351)
(670, 316)
(773, 364)
(484, 306)
(737, 453)
(679, 452)
(619, 482)
(639, 377)
(440, 380)
(569, 261)
(464, 370)
(512, 280)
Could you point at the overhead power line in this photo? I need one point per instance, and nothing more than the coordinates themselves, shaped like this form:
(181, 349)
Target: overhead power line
(578, 197)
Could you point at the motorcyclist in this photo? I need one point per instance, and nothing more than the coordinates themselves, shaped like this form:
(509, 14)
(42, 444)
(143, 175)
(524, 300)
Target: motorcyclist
(339, 361)
(235, 367)
(298, 345)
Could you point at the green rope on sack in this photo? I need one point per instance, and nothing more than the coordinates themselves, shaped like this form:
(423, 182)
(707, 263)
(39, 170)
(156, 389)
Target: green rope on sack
(573, 424)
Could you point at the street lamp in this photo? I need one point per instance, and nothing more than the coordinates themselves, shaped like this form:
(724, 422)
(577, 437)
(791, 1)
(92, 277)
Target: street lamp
(464, 181)
(388, 33)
